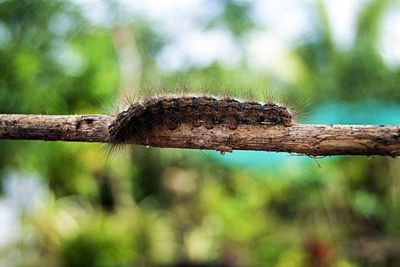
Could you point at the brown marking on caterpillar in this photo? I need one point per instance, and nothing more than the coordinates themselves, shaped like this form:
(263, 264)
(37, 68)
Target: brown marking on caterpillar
(170, 111)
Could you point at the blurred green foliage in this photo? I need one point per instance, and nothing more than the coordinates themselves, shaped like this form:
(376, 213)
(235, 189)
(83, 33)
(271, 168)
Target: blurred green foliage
(168, 207)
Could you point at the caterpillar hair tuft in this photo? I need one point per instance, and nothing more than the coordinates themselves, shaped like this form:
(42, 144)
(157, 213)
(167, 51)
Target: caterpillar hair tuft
(169, 111)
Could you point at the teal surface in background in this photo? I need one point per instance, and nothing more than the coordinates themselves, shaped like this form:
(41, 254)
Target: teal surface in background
(355, 113)
(331, 113)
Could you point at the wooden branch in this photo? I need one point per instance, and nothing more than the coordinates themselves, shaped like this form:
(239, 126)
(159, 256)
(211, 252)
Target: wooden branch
(308, 139)
(85, 128)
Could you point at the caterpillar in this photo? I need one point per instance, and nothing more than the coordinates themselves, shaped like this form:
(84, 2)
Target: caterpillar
(169, 111)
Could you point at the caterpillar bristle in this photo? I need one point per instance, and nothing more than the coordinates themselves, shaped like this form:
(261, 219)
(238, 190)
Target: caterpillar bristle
(136, 127)
(171, 110)
(227, 92)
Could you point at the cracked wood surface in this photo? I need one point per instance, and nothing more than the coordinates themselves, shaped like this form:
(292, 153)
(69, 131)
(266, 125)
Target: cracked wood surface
(308, 139)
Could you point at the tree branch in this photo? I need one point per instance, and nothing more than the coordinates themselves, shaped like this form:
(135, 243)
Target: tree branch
(309, 139)
(84, 128)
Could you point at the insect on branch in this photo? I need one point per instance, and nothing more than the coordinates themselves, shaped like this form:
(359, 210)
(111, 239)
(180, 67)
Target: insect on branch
(308, 139)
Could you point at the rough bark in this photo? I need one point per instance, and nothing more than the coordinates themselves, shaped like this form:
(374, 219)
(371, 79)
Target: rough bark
(85, 128)
(309, 139)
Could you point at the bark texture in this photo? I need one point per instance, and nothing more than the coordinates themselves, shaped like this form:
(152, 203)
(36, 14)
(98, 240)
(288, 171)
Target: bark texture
(308, 139)
(85, 128)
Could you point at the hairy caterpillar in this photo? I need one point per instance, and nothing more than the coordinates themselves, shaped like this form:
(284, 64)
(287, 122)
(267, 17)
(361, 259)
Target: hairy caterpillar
(170, 111)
